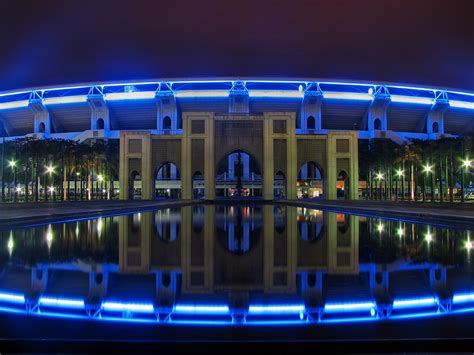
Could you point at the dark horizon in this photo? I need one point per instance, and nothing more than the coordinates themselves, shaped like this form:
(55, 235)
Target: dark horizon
(408, 42)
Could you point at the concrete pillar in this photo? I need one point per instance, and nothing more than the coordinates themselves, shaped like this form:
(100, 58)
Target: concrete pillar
(337, 252)
(292, 161)
(186, 178)
(99, 111)
(123, 169)
(268, 157)
(147, 178)
(209, 157)
(311, 107)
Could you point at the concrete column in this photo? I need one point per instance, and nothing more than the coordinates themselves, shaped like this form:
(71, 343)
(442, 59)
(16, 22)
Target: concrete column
(147, 178)
(123, 169)
(268, 245)
(330, 179)
(268, 157)
(186, 178)
(292, 168)
(209, 157)
(354, 174)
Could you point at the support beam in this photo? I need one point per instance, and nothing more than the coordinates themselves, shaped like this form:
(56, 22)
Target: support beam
(167, 111)
(42, 119)
(377, 113)
(100, 118)
(238, 98)
(311, 108)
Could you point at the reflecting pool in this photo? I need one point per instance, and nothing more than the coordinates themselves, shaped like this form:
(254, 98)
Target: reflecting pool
(237, 265)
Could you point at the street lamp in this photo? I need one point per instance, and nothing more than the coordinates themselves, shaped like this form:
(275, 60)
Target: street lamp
(428, 169)
(466, 163)
(12, 164)
(399, 174)
(49, 170)
(379, 177)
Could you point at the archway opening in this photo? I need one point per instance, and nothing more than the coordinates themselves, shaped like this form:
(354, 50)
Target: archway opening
(311, 123)
(342, 185)
(41, 127)
(135, 186)
(238, 228)
(198, 185)
(377, 124)
(167, 224)
(238, 175)
(167, 123)
(279, 187)
(168, 181)
(435, 127)
(310, 182)
(100, 124)
(310, 224)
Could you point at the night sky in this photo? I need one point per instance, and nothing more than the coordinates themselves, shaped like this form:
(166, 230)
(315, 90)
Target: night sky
(429, 42)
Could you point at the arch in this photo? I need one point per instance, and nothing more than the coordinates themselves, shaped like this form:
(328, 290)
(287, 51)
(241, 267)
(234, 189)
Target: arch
(167, 123)
(135, 186)
(197, 217)
(310, 183)
(435, 127)
(100, 124)
(198, 185)
(167, 224)
(167, 181)
(342, 185)
(41, 127)
(279, 220)
(279, 188)
(239, 228)
(311, 123)
(238, 174)
(377, 124)
(310, 224)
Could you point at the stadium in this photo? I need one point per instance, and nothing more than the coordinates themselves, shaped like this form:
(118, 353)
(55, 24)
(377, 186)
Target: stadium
(236, 136)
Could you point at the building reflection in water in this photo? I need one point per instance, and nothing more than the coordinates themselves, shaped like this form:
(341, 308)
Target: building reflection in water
(237, 255)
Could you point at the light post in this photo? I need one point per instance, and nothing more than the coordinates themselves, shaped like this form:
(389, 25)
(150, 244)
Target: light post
(49, 171)
(100, 179)
(399, 175)
(379, 177)
(75, 184)
(428, 169)
(12, 165)
(466, 164)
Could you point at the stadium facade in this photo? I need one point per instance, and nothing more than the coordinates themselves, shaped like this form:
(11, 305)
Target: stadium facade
(210, 138)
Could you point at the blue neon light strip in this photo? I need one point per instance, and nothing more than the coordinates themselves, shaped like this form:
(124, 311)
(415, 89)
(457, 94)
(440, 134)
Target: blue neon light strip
(12, 297)
(65, 100)
(275, 93)
(348, 96)
(134, 95)
(201, 93)
(348, 307)
(117, 306)
(14, 104)
(61, 302)
(463, 298)
(201, 309)
(411, 100)
(414, 302)
(276, 309)
(222, 309)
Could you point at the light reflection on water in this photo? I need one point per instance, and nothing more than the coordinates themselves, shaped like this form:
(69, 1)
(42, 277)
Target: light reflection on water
(240, 256)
